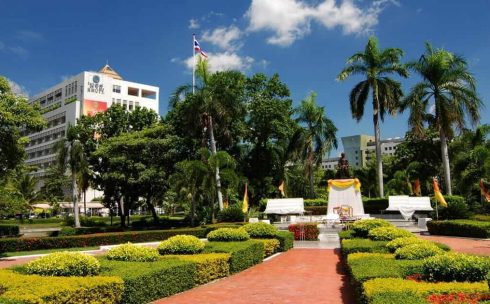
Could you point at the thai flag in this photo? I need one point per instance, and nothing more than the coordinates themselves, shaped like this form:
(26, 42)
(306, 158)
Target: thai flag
(197, 48)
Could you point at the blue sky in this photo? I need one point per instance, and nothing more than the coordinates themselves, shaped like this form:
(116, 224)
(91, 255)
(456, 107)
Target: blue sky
(306, 42)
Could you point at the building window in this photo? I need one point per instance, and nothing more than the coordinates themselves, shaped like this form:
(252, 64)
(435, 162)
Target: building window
(130, 105)
(133, 91)
(116, 89)
(136, 104)
(148, 94)
(356, 151)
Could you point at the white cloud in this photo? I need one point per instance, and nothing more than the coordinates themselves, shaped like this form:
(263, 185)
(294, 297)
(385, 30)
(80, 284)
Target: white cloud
(227, 38)
(225, 61)
(18, 89)
(194, 24)
(290, 20)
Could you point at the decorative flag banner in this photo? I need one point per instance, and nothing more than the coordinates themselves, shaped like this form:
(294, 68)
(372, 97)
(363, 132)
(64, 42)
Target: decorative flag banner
(281, 188)
(226, 204)
(484, 191)
(344, 183)
(245, 200)
(438, 194)
(416, 188)
(197, 48)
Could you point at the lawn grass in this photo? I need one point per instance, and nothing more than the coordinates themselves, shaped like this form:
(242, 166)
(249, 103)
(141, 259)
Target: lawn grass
(45, 251)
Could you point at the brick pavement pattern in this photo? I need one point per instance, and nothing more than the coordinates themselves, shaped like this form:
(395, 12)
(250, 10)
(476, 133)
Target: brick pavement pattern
(460, 244)
(297, 276)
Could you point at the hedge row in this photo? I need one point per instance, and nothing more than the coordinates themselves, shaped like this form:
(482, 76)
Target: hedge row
(30, 289)
(316, 210)
(242, 254)
(148, 281)
(466, 228)
(39, 243)
(209, 266)
(9, 230)
(286, 240)
(363, 245)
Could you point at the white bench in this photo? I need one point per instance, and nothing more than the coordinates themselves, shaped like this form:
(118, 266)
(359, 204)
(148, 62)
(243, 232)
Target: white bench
(408, 205)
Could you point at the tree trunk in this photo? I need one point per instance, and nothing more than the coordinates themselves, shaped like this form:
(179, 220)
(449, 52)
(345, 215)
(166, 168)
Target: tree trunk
(152, 209)
(122, 215)
(85, 202)
(193, 210)
(445, 161)
(213, 151)
(76, 211)
(377, 140)
(311, 178)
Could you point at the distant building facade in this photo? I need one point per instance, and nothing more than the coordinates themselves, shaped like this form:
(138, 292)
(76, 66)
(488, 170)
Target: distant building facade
(84, 94)
(359, 149)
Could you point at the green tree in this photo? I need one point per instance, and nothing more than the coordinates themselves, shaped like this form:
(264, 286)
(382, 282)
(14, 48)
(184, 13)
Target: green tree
(217, 102)
(315, 138)
(375, 65)
(17, 117)
(447, 83)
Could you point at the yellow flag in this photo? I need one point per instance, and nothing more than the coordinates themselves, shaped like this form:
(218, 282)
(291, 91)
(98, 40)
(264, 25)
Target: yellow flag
(438, 194)
(226, 204)
(281, 188)
(245, 200)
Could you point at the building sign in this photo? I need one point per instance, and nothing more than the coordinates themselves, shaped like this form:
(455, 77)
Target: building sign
(91, 107)
(95, 86)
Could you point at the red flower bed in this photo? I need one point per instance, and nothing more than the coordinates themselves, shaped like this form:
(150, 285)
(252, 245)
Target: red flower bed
(305, 231)
(456, 298)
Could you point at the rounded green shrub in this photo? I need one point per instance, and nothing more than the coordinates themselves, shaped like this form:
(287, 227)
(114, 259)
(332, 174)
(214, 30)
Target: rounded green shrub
(361, 228)
(181, 244)
(65, 264)
(228, 235)
(455, 267)
(260, 230)
(271, 246)
(404, 241)
(388, 233)
(233, 213)
(132, 253)
(417, 251)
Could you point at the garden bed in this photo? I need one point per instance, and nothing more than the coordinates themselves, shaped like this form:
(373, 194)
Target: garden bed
(464, 228)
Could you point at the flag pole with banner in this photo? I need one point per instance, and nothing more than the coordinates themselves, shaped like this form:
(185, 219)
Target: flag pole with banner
(245, 200)
(193, 62)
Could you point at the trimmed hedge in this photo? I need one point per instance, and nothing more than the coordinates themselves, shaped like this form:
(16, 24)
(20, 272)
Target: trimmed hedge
(388, 233)
(374, 205)
(260, 230)
(361, 228)
(286, 240)
(417, 251)
(148, 281)
(466, 228)
(363, 245)
(181, 244)
(39, 243)
(399, 287)
(133, 253)
(243, 254)
(209, 266)
(456, 267)
(305, 231)
(316, 210)
(234, 213)
(9, 230)
(309, 202)
(228, 235)
(346, 234)
(271, 246)
(33, 289)
(64, 264)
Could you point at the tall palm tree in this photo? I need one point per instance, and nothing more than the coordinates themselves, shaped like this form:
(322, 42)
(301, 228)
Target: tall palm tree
(315, 138)
(71, 156)
(214, 103)
(447, 83)
(375, 65)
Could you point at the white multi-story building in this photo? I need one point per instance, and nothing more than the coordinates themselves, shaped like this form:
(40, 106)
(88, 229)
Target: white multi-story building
(84, 94)
(359, 149)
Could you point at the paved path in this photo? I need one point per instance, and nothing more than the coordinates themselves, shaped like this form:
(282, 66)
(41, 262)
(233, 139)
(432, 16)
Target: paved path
(297, 276)
(461, 244)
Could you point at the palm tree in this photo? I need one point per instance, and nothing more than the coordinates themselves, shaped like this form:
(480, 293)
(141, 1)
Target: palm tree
(71, 155)
(447, 83)
(214, 103)
(315, 138)
(375, 65)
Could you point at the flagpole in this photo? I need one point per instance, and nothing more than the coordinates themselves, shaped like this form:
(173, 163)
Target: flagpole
(193, 63)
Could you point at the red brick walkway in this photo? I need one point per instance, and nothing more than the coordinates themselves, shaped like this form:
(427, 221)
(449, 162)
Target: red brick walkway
(460, 244)
(297, 276)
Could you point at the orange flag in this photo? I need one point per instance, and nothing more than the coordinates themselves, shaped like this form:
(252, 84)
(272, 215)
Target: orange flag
(281, 188)
(245, 200)
(438, 194)
(416, 188)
